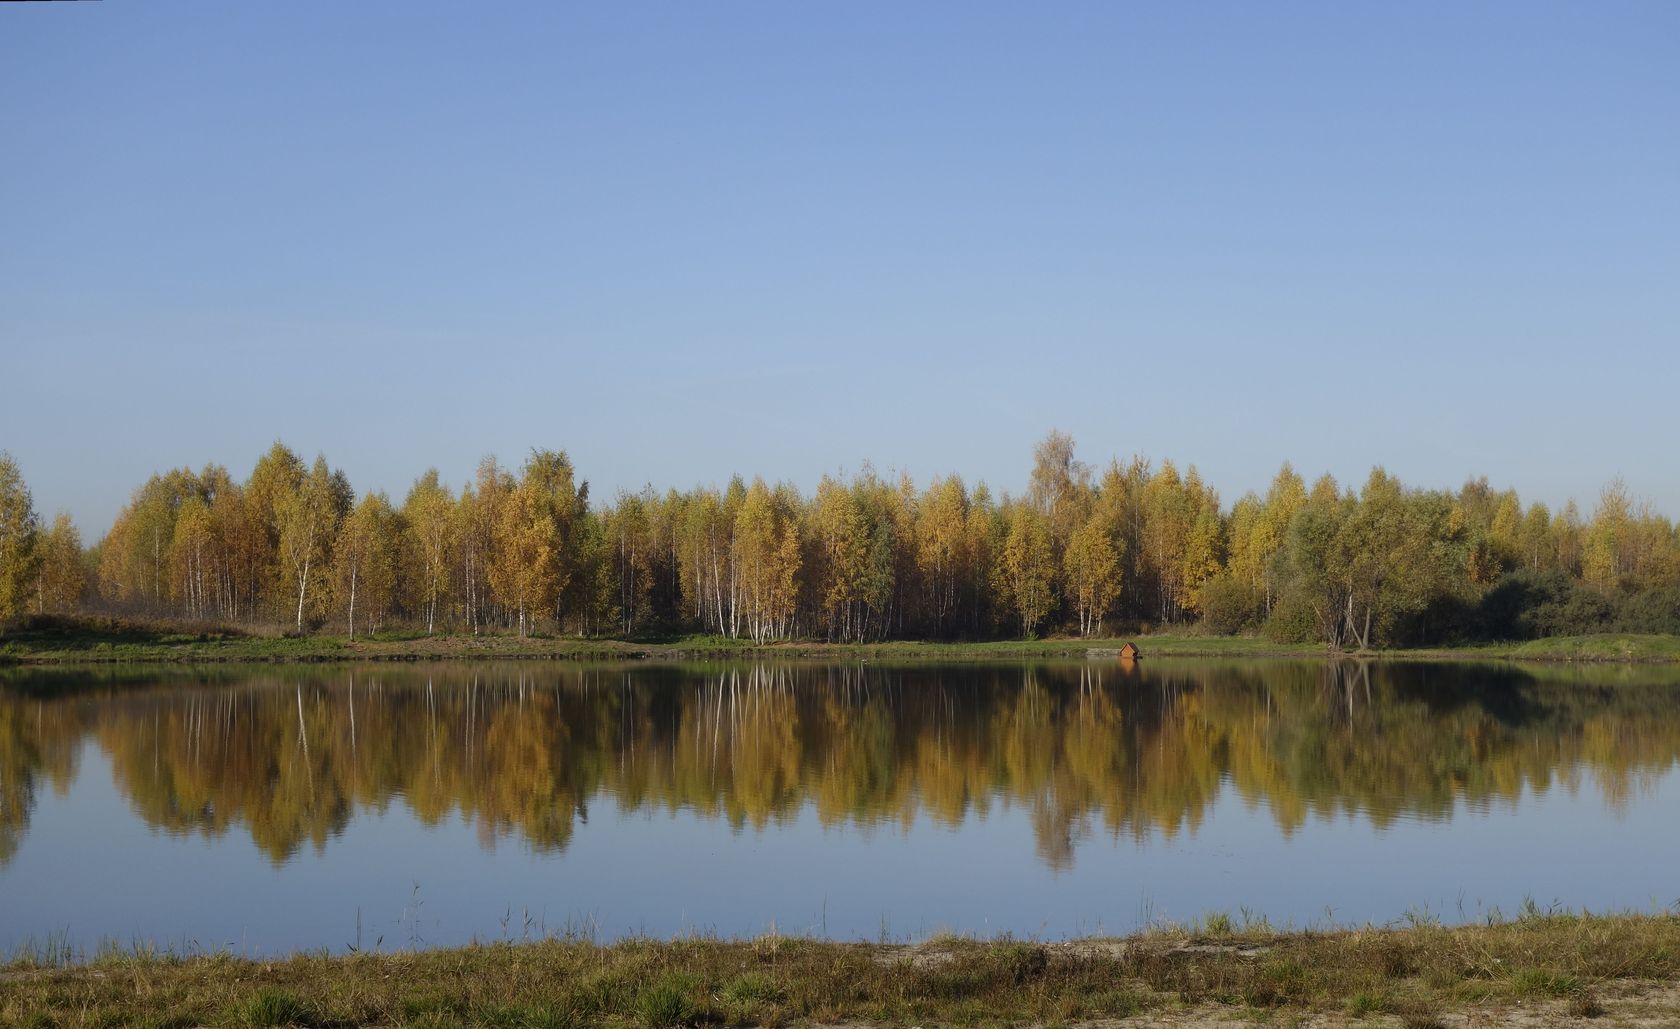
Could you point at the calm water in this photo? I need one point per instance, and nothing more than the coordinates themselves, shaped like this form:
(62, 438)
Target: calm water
(269, 810)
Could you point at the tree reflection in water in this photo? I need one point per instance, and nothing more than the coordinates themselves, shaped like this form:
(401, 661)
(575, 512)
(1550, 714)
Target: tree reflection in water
(290, 756)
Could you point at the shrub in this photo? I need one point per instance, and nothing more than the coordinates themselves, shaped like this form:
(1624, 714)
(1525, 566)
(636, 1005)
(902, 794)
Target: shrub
(1292, 621)
(1229, 606)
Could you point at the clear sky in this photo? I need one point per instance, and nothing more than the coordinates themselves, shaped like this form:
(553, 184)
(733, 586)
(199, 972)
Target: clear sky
(690, 239)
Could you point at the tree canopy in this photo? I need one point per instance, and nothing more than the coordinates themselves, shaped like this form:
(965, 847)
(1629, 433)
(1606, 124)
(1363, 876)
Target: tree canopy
(1082, 551)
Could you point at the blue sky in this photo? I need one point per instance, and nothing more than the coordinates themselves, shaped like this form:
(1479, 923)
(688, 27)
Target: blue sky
(685, 240)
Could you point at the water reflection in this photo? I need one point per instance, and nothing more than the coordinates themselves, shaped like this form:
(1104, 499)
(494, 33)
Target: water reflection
(291, 756)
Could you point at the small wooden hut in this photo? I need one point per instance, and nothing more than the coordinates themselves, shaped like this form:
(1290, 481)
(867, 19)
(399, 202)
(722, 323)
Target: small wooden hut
(1130, 652)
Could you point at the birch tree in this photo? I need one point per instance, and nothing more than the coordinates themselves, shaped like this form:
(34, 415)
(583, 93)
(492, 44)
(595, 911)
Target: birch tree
(524, 570)
(431, 536)
(631, 539)
(1025, 576)
(943, 551)
(276, 477)
(365, 561)
(192, 551)
(1092, 574)
(767, 553)
(477, 515)
(308, 519)
(61, 579)
(19, 538)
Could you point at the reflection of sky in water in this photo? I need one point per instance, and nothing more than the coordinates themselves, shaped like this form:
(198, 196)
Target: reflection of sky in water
(89, 865)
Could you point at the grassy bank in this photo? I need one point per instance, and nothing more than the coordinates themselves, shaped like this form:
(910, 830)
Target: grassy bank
(65, 640)
(1623, 968)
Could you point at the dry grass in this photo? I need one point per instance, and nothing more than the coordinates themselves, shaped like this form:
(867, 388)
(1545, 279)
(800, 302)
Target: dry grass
(1578, 966)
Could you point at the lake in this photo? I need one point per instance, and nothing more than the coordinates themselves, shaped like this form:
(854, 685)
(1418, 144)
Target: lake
(268, 809)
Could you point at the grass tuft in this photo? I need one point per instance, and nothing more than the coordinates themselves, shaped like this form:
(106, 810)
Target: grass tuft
(1539, 982)
(753, 987)
(1366, 1003)
(273, 1007)
(665, 1003)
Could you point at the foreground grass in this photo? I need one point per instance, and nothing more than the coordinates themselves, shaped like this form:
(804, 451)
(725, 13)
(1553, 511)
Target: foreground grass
(99, 639)
(1578, 966)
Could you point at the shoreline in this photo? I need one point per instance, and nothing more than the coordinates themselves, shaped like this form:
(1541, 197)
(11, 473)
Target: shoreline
(1541, 967)
(115, 642)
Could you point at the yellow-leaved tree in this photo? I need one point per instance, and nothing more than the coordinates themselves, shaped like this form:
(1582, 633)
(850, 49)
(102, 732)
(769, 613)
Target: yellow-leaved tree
(365, 561)
(1026, 567)
(19, 534)
(767, 554)
(525, 568)
(61, 578)
(430, 538)
(1091, 572)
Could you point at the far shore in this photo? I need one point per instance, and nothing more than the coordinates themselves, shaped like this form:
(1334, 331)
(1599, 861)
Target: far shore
(125, 641)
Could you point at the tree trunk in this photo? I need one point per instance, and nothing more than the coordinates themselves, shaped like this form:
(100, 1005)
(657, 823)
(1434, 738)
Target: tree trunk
(352, 604)
(303, 584)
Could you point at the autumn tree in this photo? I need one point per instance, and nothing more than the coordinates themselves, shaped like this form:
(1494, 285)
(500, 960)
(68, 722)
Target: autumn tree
(308, 517)
(1257, 532)
(431, 532)
(1204, 552)
(1091, 570)
(592, 596)
(477, 515)
(1059, 488)
(62, 578)
(193, 555)
(944, 551)
(535, 553)
(856, 536)
(1604, 557)
(985, 532)
(630, 537)
(767, 553)
(1026, 567)
(365, 560)
(138, 567)
(274, 480)
(19, 539)
(566, 503)
(525, 569)
(1169, 508)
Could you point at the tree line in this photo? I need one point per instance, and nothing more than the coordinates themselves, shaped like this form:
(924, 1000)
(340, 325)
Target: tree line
(865, 558)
